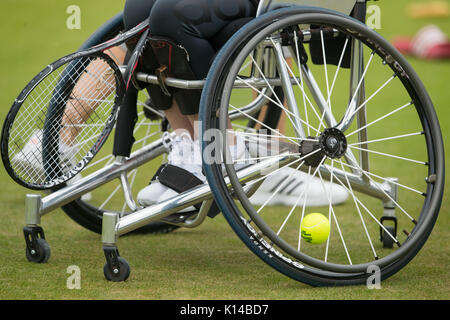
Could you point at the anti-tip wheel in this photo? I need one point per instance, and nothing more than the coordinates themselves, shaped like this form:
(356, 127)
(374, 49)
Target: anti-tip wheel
(388, 242)
(40, 253)
(117, 275)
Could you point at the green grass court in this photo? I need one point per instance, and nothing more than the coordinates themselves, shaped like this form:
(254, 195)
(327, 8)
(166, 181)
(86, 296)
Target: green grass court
(208, 262)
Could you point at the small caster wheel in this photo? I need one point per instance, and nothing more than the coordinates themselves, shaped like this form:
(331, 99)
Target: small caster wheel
(117, 274)
(39, 253)
(388, 242)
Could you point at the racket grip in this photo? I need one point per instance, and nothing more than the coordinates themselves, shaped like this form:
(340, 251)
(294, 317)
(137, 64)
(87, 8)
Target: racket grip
(134, 59)
(123, 136)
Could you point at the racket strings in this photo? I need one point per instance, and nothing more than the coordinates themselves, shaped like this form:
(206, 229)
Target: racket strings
(61, 119)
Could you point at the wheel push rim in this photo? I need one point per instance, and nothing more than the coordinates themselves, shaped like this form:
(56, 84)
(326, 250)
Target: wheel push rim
(434, 163)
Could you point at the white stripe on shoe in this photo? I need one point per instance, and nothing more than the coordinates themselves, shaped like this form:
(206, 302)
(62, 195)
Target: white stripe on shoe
(294, 187)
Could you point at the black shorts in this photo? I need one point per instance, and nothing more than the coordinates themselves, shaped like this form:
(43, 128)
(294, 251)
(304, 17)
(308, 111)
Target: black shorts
(193, 24)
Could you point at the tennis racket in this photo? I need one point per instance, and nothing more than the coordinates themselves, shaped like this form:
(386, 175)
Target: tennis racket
(64, 115)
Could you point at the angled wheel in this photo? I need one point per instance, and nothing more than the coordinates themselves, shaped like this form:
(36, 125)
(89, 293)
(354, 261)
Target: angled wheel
(362, 122)
(388, 241)
(120, 274)
(40, 253)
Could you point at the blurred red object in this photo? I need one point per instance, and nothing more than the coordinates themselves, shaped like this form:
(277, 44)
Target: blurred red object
(428, 43)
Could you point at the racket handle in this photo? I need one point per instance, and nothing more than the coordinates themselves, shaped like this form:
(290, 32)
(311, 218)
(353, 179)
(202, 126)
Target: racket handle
(123, 136)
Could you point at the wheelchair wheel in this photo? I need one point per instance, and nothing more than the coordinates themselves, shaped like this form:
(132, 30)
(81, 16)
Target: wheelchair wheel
(150, 125)
(384, 149)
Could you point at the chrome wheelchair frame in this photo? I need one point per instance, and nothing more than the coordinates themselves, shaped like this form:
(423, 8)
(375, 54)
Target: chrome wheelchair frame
(36, 206)
(114, 225)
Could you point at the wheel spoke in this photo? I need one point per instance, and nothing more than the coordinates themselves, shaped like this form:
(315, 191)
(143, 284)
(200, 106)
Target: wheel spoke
(380, 118)
(389, 155)
(266, 81)
(337, 70)
(273, 92)
(109, 157)
(263, 124)
(330, 207)
(324, 57)
(287, 165)
(298, 199)
(303, 91)
(387, 195)
(271, 173)
(334, 82)
(336, 222)
(388, 138)
(267, 135)
(361, 80)
(385, 179)
(359, 211)
(281, 185)
(288, 112)
(301, 82)
(145, 138)
(308, 182)
(366, 209)
(262, 158)
(373, 95)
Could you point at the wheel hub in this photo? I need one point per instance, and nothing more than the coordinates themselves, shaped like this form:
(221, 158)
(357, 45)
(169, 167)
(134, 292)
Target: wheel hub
(331, 143)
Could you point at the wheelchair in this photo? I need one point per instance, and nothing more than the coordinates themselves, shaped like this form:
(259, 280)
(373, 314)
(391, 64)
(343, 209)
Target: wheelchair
(355, 115)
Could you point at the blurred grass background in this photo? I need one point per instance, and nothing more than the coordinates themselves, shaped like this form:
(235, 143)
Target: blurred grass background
(209, 262)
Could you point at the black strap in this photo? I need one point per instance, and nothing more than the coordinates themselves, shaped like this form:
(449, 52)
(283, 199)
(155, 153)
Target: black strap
(178, 179)
(158, 172)
(255, 3)
(181, 180)
(175, 59)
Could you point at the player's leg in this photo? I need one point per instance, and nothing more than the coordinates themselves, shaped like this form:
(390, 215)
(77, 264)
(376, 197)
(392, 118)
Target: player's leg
(176, 19)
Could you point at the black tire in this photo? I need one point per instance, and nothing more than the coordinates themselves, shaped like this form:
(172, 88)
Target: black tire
(122, 275)
(41, 253)
(253, 231)
(388, 242)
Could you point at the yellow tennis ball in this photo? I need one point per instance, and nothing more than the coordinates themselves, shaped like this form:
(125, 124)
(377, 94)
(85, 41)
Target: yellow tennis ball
(315, 228)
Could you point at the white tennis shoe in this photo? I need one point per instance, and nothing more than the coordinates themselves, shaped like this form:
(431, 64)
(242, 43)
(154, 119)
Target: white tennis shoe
(29, 160)
(186, 154)
(289, 187)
